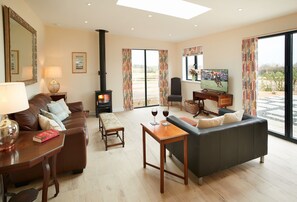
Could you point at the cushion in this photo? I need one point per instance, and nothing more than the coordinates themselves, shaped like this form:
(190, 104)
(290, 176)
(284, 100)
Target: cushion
(28, 119)
(53, 117)
(62, 103)
(46, 123)
(233, 117)
(189, 121)
(58, 110)
(211, 122)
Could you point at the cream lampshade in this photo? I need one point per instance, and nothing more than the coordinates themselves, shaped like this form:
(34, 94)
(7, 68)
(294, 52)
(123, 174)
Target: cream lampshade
(13, 99)
(53, 72)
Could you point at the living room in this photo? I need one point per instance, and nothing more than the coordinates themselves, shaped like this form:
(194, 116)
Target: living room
(55, 44)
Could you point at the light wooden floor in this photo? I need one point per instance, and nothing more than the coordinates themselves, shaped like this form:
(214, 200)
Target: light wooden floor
(118, 175)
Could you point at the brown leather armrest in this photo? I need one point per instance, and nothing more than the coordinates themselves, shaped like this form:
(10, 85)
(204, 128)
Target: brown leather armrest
(75, 131)
(75, 106)
(74, 153)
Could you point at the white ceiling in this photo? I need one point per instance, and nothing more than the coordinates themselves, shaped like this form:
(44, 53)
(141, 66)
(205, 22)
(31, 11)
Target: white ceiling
(118, 20)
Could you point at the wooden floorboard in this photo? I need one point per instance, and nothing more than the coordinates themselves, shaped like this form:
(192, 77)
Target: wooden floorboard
(118, 175)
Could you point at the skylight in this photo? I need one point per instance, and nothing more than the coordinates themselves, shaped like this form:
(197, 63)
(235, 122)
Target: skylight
(175, 8)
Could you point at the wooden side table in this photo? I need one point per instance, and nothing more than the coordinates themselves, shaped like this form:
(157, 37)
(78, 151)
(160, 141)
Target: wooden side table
(26, 154)
(58, 96)
(165, 135)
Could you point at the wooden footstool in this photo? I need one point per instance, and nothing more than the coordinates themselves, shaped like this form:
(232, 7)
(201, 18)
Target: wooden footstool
(109, 124)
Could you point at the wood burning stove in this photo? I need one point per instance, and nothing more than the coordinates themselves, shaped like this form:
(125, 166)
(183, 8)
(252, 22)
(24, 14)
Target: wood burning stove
(103, 100)
(103, 97)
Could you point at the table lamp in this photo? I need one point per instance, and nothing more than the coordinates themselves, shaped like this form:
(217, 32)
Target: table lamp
(13, 99)
(53, 72)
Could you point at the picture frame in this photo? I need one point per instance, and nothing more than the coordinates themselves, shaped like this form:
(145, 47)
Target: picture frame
(14, 62)
(79, 62)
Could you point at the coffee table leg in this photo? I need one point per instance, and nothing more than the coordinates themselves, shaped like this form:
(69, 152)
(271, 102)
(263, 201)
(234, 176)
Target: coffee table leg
(144, 147)
(161, 167)
(46, 177)
(186, 160)
(54, 174)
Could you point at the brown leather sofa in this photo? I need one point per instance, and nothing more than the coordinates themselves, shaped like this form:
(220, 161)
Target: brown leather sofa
(214, 149)
(73, 156)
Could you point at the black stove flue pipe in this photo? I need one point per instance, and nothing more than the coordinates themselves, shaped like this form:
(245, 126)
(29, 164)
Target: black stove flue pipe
(102, 70)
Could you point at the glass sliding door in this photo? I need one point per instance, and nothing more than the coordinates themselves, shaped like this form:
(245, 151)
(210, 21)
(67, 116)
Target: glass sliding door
(271, 88)
(277, 84)
(145, 78)
(138, 78)
(152, 77)
(294, 83)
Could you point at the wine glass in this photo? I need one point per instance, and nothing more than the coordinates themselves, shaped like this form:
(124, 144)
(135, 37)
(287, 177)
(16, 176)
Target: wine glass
(154, 113)
(165, 113)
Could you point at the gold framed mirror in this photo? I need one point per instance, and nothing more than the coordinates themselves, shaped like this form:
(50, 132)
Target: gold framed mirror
(20, 47)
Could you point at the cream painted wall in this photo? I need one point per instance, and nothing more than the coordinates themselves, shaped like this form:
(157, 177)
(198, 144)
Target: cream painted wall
(59, 45)
(223, 50)
(61, 42)
(23, 10)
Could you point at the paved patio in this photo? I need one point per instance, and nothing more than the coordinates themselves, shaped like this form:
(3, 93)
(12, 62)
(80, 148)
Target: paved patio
(272, 108)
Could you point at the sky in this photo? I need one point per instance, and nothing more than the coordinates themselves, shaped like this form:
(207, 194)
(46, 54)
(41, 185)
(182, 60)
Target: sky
(271, 50)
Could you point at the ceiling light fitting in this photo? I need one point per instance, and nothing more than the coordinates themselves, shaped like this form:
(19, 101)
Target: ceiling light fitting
(175, 8)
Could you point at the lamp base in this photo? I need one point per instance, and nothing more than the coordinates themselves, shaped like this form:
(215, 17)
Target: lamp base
(53, 86)
(9, 132)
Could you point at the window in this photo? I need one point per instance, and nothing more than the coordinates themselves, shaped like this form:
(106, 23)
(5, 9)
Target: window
(192, 61)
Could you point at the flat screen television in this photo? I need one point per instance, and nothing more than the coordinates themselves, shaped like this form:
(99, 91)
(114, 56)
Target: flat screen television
(214, 80)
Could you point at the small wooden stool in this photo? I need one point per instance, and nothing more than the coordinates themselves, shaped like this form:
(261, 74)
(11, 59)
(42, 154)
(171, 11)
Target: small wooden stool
(109, 124)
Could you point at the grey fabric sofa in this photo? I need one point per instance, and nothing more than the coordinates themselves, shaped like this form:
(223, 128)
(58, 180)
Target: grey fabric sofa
(218, 148)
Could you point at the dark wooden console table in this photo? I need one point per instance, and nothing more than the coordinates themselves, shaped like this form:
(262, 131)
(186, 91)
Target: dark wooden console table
(58, 96)
(223, 100)
(26, 154)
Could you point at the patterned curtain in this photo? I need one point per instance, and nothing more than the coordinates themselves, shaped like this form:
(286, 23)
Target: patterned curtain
(163, 76)
(127, 79)
(193, 51)
(249, 75)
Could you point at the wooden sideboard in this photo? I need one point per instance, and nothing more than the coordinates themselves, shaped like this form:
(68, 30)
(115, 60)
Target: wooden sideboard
(58, 96)
(222, 99)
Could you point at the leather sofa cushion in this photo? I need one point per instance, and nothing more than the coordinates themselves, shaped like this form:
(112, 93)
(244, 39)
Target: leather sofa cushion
(75, 123)
(76, 115)
(28, 119)
(41, 101)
